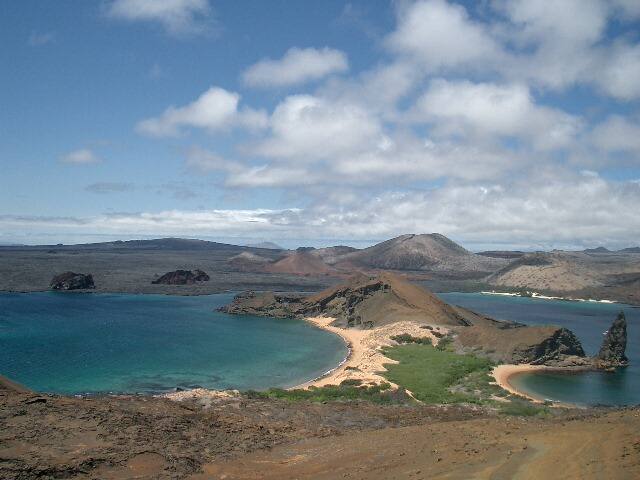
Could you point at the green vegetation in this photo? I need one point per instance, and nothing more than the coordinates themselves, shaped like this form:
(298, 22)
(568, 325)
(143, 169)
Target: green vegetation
(331, 393)
(433, 375)
(445, 344)
(439, 376)
(408, 338)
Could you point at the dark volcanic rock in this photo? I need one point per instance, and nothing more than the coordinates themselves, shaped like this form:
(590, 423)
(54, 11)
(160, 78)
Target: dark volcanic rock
(615, 343)
(72, 281)
(267, 304)
(182, 277)
(560, 344)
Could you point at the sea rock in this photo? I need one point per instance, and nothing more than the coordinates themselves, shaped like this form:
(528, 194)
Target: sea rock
(182, 277)
(561, 344)
(72, 281)
(612, 351)
(267, 304)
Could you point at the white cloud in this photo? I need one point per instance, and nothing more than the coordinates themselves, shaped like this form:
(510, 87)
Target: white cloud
(617, 134)
(487, 109)
(308, 127)
(83, 156)
(545, 210)
(216, 109)
(442, 36)
(178, 17)
(296, 67)
(618, 73)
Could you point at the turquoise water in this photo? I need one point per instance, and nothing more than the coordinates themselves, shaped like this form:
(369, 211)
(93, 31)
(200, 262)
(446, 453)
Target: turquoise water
(588, 321)
(92, 343)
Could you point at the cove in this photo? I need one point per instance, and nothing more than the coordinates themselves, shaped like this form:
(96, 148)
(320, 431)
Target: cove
(70, 343)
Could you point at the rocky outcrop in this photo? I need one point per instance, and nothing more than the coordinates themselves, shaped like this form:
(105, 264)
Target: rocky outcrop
(266, 304)
(614, 345)
(557, 346)
(72, 281)
(362, 302)
(182, 277)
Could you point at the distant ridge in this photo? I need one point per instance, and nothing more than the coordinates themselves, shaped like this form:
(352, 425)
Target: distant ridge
(153, 244)
(597, 250)
(267, 245)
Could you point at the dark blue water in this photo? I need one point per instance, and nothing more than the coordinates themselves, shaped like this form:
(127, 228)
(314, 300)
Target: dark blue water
(588, 321)
(90, 343)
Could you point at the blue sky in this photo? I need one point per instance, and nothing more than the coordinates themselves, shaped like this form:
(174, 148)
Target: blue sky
(502, 124)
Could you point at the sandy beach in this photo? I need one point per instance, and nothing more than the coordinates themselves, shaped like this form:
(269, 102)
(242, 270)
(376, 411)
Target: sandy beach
(365, 360)
(502, 374)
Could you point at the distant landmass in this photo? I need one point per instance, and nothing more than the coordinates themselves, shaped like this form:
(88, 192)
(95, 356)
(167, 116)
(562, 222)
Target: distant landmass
(131, 266)
(267, 245)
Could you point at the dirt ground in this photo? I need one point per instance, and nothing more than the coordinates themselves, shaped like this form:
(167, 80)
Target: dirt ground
(142, 437)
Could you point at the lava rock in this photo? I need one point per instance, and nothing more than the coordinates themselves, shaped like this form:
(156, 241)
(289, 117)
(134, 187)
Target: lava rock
(182, 277)
(72, 281)
(612, 351)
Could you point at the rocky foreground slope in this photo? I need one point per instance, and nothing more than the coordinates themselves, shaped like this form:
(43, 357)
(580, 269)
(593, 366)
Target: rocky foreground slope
(46, 437)
(374, 301)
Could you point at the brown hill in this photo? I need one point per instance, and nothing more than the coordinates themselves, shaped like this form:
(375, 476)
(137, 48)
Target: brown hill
(429, 252)
(382, 299)
(248, 262)
(300, 263)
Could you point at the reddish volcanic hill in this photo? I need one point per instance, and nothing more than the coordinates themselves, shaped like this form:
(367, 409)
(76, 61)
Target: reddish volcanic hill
(300, 263)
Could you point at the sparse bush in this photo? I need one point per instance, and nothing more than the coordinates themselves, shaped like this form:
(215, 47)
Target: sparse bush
(404, 338)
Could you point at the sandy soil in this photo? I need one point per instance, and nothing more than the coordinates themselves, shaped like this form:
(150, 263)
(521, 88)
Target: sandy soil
(365, 360)
(497, 449)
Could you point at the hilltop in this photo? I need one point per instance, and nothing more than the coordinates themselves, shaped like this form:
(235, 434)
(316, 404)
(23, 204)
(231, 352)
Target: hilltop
(425, 252)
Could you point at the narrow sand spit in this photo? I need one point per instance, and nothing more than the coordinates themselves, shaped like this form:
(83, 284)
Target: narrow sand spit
(365, 360)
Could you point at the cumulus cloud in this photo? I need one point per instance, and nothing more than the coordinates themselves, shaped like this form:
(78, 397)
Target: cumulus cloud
(216, 109)
(308, 127)
(487, 109)
(617, 134)
(442, 36)
(297, 66)
(178, 17)
(83, 156)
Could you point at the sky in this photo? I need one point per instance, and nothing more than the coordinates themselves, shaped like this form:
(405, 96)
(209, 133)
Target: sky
(503, 124)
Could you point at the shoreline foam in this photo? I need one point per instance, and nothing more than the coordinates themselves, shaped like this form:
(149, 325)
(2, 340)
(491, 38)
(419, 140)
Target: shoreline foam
(539, 296)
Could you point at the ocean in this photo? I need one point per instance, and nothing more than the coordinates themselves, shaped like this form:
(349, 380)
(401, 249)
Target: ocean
(588, 320)
(73, 343)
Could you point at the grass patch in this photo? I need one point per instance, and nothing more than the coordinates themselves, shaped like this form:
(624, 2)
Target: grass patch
(438, 376)
(408, 338)
(332, 393)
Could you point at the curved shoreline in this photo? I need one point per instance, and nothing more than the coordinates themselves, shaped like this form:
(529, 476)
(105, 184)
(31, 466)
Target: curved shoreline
(504, 373)
(352, 340)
